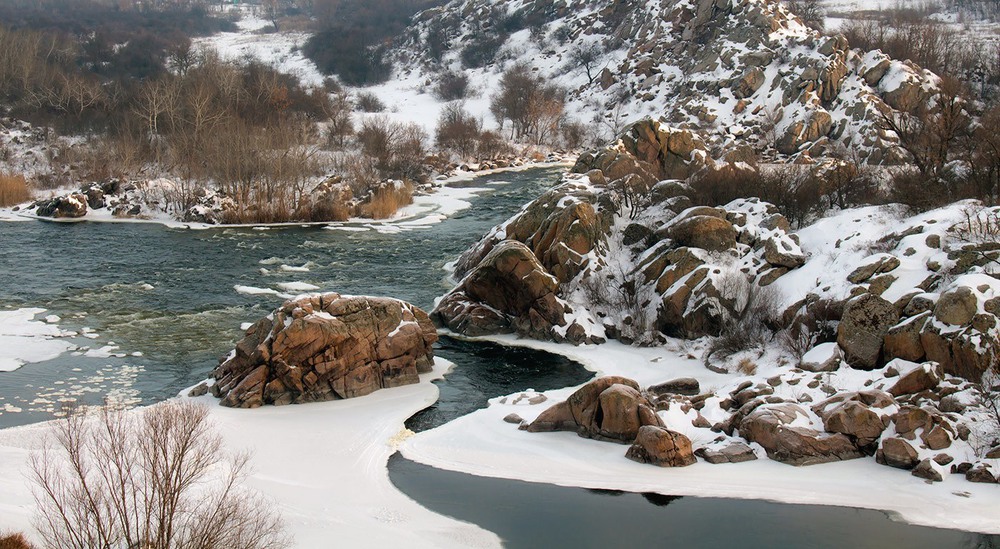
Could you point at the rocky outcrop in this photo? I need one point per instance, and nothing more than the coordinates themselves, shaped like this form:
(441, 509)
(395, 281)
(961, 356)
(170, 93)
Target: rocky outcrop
(509, 292)
(735, 86)
(69, 207)
(609, 408)
(326, 347)
(778, 428)
(659, 446)
(862, 330)
(651, 149)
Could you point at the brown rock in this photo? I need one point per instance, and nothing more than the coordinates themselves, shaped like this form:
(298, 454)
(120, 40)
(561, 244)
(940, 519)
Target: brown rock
(855, 420)
(608, 408)
(924, 377)
(681, 386)
(956, 307)
(936, 438)
(903, 340)
(896, 452)
(508, 291)
(736, 452)
(658, 446)
(910, 418)
(705, 232)
(324, 347)
(926, 470)
(866, 321)
(768, 425)
(979, 473)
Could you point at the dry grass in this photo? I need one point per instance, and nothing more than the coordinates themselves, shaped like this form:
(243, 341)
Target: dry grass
(14, 541)
(387, 200)
(13, 190)
(746, 367)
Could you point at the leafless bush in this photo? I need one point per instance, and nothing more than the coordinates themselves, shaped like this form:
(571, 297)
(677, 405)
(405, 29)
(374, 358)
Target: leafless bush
(458, 131)
(752, 320)
(533, 107)
(340, 123)
(14, 541)
(614, 291)
(398, 148)
(452, 86)
(157, 479)
(368, 102)
(13, 190)
(810, 11)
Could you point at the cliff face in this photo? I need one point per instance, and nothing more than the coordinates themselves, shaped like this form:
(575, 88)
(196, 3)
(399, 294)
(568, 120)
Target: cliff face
(738, 71)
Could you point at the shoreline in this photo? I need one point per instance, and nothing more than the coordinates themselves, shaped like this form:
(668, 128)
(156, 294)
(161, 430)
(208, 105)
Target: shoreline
(492, 448)
(423, 208)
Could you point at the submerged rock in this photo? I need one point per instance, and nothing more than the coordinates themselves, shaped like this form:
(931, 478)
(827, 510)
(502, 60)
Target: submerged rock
(326, 347)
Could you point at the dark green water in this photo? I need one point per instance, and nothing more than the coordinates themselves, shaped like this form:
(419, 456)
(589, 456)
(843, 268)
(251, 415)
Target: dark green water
(168, 294)
(164, 301)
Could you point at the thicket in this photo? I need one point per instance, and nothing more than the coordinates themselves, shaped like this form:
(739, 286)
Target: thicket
(353, 36)
(532, 106)
(912, 34)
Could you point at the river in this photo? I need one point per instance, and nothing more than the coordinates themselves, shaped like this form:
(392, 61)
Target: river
(154, 308)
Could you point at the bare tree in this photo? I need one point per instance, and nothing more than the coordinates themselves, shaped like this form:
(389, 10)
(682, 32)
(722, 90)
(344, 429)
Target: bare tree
(155, 479)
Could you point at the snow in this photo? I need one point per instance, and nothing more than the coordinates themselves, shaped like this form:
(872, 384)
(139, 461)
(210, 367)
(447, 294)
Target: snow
(24, 340)
(277, 49)
(297, 286)
(481, 443)
(323, 464)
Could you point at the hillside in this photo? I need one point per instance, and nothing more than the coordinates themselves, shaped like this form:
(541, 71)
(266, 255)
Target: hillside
(741, 71)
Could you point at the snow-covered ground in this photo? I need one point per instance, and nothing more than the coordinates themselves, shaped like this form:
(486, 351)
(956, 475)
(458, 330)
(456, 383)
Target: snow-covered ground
(324, 466)
(483, 444)
(255, 39)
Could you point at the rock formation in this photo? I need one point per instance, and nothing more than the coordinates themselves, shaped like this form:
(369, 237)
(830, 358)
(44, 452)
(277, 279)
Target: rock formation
(326, 347)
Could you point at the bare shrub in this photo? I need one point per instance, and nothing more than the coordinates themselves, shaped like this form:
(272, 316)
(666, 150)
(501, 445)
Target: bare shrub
(156, 479)
(340, 123)
(14, 541)
(398, 148)
(457, 130)
(452, 86)
(533, 107)
(752, 319)
(13, 190)
(368, 102)
(810, 11)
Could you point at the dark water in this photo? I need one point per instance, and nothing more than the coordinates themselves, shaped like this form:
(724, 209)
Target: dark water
(487, 370)
(528, 515)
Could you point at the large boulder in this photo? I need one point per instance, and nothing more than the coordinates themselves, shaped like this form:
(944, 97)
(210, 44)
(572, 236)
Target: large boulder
(69, 207)
(509, 291)
(704, 231)
(325, 347)
(867, 319)
(857, 421)
(649, 147)
(778, 428)
(609, 408)
(659, 446)
(956, 307)
(896, 452)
